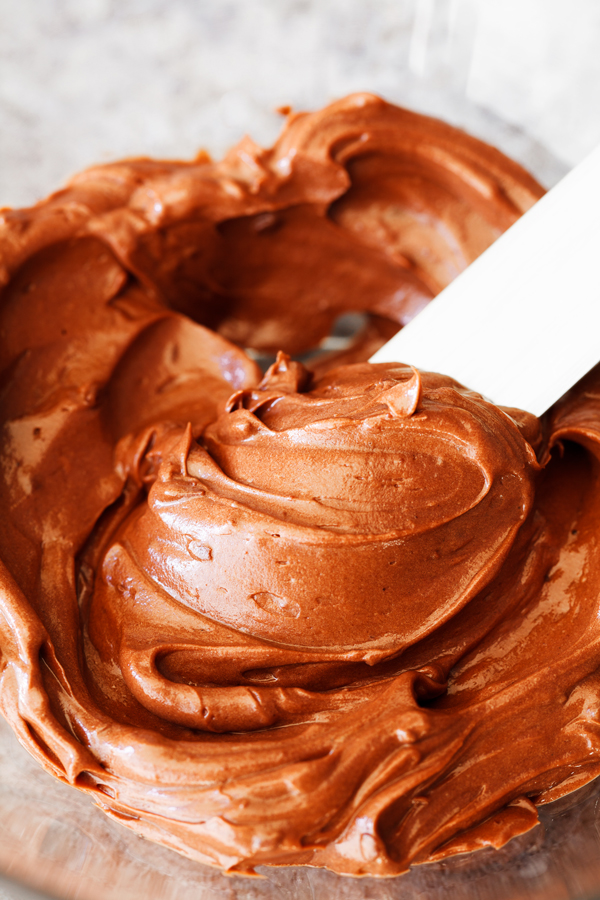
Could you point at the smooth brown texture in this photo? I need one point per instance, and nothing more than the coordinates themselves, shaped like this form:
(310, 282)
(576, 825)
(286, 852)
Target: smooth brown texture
(346, 617)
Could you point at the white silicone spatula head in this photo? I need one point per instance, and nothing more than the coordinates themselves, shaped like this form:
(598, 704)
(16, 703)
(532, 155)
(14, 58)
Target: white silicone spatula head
(522, 324)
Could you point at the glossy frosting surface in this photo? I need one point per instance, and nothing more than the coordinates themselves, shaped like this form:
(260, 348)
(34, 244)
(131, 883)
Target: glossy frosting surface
(343, 616)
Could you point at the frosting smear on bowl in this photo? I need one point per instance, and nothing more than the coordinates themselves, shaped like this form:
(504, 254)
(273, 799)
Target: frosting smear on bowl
(341, 614)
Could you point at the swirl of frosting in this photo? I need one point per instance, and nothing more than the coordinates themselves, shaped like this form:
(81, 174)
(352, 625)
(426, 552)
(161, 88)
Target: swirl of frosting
(382, 496)
(344, 617)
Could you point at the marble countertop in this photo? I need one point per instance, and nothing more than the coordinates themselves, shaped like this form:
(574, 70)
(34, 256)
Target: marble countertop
(85, 81)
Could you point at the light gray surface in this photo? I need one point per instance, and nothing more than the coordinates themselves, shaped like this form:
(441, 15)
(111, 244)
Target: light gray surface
(11, 890)
(84, 81)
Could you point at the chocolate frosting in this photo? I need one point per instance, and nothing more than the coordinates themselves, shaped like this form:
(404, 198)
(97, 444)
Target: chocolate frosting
(343, 615)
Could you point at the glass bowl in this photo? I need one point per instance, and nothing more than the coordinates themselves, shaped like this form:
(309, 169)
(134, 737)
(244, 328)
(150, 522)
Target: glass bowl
(164, 79)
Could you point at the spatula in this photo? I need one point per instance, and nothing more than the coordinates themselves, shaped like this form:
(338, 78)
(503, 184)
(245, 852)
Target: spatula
(521, 324)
